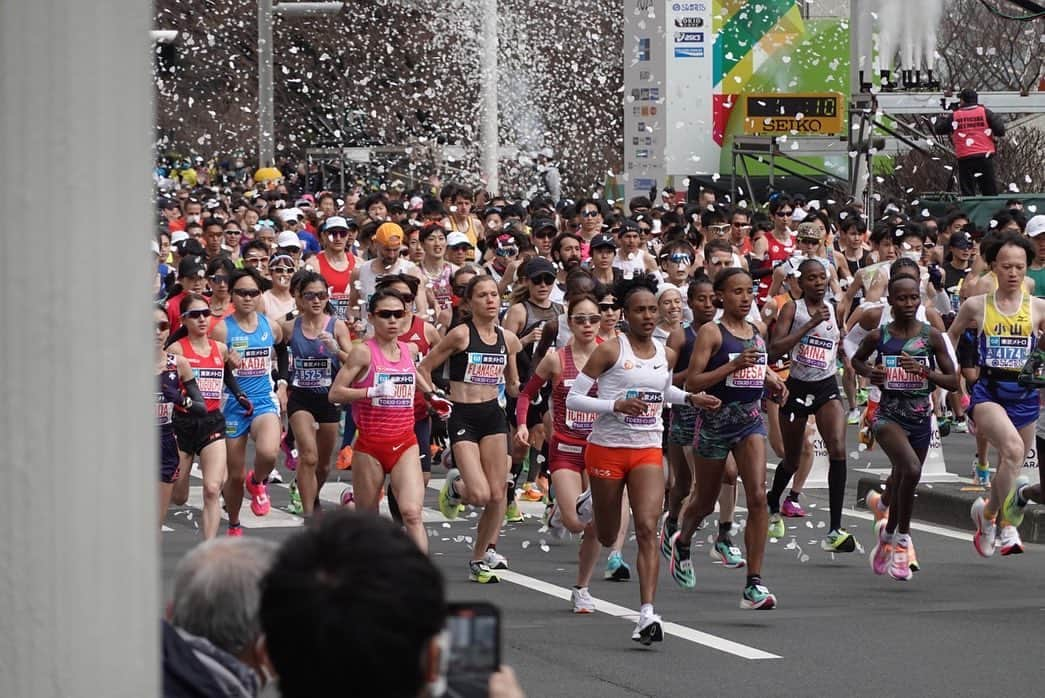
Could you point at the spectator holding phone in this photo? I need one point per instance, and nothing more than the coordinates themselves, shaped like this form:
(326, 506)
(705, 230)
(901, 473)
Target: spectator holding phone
(354, 587)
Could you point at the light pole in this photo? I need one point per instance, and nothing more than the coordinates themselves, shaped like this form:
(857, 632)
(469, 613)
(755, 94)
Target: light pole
(266, 107)
(488, 143)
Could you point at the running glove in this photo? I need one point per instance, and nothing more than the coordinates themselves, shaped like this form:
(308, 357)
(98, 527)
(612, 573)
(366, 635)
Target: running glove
(1031, 375)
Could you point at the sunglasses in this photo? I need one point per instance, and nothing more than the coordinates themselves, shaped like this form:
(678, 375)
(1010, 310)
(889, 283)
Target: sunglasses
(543, 279)
(585, 319)
(389, 314)
(196, 314)
(218, 279)
(459, 248)
(314, 296)
(291, 250)
(247, 292)
(809, 241)
(281, 270)
(718, 229)
(606, 307)
(162, 325)
(337, 233)
(681, 259)
(544, 234)
(783, 214)
(589, 213)
(744, 228)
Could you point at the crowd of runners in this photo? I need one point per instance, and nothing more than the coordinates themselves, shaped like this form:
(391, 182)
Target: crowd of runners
(623, 362)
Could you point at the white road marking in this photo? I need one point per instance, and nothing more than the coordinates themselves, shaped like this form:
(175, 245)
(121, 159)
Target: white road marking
(696, 636)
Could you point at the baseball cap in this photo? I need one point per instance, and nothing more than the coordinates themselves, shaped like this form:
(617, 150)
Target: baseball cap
(455, 239)
(416, 202)
(389, 234)
(288, 239)
(537, 266)
(962, 240)
(540, 224)
(603, 240)
(337, 222)
(191, 266)
(290, 214)
(168, 203)
(1035, 226)
(178, 236)
(809, 231)
(302, 202)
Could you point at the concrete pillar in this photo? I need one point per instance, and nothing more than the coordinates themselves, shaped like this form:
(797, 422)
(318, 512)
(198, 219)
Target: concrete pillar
(79, 594)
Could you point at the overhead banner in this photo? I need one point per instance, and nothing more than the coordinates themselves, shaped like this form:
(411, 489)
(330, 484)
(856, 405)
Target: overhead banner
(696, 74)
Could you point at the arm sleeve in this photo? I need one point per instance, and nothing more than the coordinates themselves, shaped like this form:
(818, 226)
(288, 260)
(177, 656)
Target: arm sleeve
(578, 399)
(198, 408)
(282, 363)
(526, 396)
(230, 380)
(674, 395)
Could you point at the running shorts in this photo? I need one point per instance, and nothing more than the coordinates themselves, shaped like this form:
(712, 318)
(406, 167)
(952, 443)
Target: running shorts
(722, 429)
(386, 451)
(565, 453)
(683, 421)
(807, 397)
(168, 457)
(614, 463)
(237, 423)
(913, 415)
(316, 404)
(196, 433)
(1020, 404)
(423, 434)
(474, 421)
(967, 351)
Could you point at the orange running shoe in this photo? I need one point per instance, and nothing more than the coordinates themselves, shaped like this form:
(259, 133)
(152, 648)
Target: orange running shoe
(344, 458)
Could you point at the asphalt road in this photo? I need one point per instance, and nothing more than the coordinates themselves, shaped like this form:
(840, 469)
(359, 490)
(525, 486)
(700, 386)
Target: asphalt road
(962, 626)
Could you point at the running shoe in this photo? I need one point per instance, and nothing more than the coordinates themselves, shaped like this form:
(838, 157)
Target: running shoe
(873, 500)
(512, 513)
(582, 601)
(854, 416)
(666, 532)
(728, 554)
(986, 532)
(681, 565)
(792, 509)
(883, 549)
(648, 630)
(776, 526)
(585, 510)
(861, 397)
(275, 478)
(960, 426)
(1009, 540)
(448, 503)
(344, 458)
(912, 558)
(556, 529)
(757, 597)
(531, 492)
(1011, 510)
(290, 455)
(295, 507)
(494, 560)
(616, 569)
(259, 498)
(839, 541)
(479, 572)
(348, 497)
(981, 473)
(900, 564)
(235, 531)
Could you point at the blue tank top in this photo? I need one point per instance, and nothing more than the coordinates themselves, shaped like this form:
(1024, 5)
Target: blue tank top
(255, 349)
(744, 385)
(897, 380)
(686, 350)
(314, 365)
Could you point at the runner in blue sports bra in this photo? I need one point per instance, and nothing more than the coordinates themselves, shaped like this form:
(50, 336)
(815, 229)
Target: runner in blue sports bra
(251, 340)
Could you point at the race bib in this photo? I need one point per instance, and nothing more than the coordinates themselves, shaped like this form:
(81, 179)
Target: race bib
(815, 352)
(257, 361)
(573, 449)
(1006, 352)
(896, 378)
(649, 416)
(339, 302)
(576, 420)
(404, 390)
(164, 411)
(485, 369)
(209, 381)
(956, 301)
(750, 377)
(312, 373)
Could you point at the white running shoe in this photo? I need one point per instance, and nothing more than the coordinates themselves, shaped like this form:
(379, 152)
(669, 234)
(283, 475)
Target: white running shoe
(582, 601)
(648, 630)
(585, 511)
(494, 560)
(1009, 541)
(556, 529)
(855, 415)
(986, 532)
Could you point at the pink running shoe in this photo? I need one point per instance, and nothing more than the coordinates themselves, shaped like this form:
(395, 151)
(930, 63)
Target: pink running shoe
(900, 564)
(792, 510)
(234, 532)
(290, 455)
(259, 498)
(883, 550)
